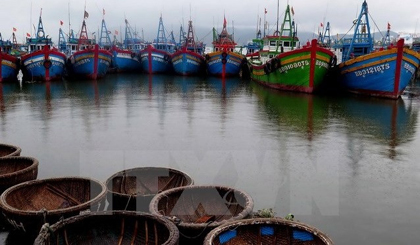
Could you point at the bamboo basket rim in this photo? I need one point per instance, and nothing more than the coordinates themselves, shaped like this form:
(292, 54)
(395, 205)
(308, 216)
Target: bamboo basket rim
(17, 151)
(232, 225)
(248, 207)
(173, 230)
(34, 165)
(119, 173)
(6, 207)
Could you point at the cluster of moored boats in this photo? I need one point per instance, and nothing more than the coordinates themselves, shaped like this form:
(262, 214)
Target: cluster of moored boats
(144, 205)
(279, 61)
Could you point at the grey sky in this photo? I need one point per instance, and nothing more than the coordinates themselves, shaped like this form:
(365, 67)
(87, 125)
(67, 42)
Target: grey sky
(144, 15)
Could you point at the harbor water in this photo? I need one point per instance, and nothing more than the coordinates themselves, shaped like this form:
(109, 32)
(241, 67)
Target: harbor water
(347, 165)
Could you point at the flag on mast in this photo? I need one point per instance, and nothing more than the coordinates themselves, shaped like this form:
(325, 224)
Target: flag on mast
(86, 15)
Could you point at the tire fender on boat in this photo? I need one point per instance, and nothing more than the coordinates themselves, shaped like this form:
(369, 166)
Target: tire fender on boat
(224, 61)
(207, 57)
(133, 55)
(333, 61)
(47, 64)
(224, 54)
(267, 67)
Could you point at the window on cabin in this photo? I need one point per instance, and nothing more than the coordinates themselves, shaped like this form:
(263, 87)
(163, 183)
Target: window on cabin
(273, 43)
(286, 44)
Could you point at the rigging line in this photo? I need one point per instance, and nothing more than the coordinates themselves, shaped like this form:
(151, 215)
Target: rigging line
(376, 25)
(346, 33)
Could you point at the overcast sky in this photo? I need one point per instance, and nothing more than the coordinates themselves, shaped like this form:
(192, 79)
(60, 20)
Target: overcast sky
(144, 15)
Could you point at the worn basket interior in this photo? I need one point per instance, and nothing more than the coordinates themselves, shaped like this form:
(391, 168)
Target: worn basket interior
(52, 194)
(115, 228)
(202, 205)
(9, 150)
(146, 181)
(273, 231)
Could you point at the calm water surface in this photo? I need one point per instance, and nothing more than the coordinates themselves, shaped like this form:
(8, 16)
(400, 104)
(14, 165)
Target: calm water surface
(344, 164)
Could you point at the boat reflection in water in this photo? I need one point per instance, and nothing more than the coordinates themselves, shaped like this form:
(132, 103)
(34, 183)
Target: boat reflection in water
(303, 114)
(382, 122)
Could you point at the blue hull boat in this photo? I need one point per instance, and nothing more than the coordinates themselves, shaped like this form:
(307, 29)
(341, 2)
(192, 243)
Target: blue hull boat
(383, 72)
(125, 60)
(224, 63)
(43, 65)
(153, 60)
(186, 62)
(9, 67)
(91, 63)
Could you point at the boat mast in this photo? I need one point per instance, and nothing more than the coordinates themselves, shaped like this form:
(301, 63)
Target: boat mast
(276, 33)
(104, 40)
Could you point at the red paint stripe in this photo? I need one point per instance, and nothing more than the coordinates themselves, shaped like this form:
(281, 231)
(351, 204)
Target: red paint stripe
(46, 56)
(313, 61)
(400, 47)
(95, 62)
(149, 51)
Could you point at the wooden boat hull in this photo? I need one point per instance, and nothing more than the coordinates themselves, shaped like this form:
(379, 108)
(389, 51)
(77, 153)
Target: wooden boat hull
(43, 65)
(90, 64)
(273, 231)
(187, 63)
(27, 206)
(224, 63)
(7, 150)
(384, 73)
(9, 67)
(300, 70)
(115, 227)
(17, 169)
(133, 189)
(125, 61)
(154, 61)
(198, 209)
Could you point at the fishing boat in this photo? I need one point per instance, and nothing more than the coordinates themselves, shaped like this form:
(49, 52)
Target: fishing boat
(156, 57)
(42, 62)
(127, 59)
(189, 59)
(224, 61)
(383, 72)
(9, 64)
(285, 65)
(198, 209)
(132, 189)
(117, 227)
(29, 205)
(89, 61)
(275, 231)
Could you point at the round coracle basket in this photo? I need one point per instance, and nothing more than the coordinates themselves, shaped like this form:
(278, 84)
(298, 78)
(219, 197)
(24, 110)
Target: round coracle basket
(9, 150)
(110, 227)
(28, 205)
(276, 231)
(198, 209)
(17, 169)
(133, 189)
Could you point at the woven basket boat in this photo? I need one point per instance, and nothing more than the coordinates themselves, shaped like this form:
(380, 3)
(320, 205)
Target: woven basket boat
(17, 169)
(198, 209)
(9, 150)
(27, 206)
(111, 227)
(133, 189)
(273, 231)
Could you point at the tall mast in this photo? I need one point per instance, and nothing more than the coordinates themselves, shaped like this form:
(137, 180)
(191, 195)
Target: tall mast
(277, 28)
